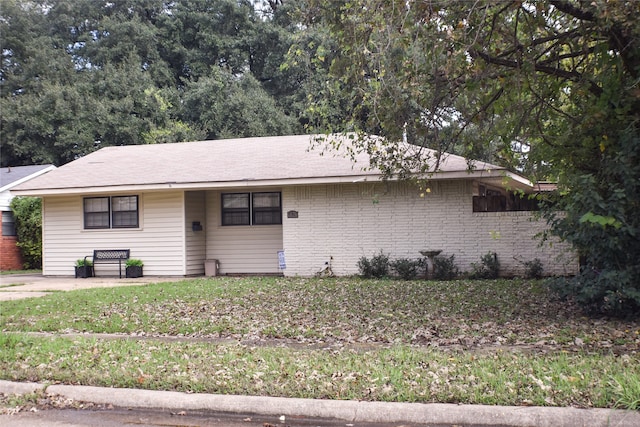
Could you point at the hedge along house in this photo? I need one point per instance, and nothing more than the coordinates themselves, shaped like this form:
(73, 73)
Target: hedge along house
(245, 201)
(11, 177)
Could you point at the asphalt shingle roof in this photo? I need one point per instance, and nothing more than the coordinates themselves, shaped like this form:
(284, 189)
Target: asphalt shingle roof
(213, 163)
(10, 175)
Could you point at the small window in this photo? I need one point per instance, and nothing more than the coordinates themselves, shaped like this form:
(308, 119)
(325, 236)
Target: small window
(125, 211)
(8, 224)
(110, 212)
(264, 208)
(267, 208)
(235, 209)
(96, 212)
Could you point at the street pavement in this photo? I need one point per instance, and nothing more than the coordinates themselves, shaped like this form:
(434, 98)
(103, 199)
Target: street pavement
(245, 410)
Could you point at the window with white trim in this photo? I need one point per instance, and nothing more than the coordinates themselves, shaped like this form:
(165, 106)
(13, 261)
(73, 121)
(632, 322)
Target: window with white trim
(8, 224)
(260, 208)
(111, 212)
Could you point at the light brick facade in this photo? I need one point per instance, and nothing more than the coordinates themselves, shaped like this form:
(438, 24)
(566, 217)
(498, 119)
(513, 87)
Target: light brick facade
(349, 221)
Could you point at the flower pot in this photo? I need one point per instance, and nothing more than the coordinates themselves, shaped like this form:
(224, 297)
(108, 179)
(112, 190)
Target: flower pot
(84, 271)
(133, 271)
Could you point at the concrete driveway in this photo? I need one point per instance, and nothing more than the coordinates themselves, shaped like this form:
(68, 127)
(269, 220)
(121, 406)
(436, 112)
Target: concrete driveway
(19, 286)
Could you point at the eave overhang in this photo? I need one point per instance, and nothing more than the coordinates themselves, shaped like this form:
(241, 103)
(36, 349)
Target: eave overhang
(498, 177)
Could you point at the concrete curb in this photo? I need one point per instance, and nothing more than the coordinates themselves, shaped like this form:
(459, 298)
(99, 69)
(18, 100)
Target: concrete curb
(351, 411)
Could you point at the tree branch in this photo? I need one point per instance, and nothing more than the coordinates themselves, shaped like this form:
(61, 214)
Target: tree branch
(568, 8)
(573, 76)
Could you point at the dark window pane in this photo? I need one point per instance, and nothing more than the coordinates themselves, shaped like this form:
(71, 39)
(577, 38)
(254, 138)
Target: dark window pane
(125, 219)
(235, 209)
(96, 212)
(235, 201)
(235, 218)
(267, 208)
(125, 203)
(125, 211)
(8, 224)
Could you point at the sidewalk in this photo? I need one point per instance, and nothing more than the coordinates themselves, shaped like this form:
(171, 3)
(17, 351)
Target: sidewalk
(19, 286)
(349, 411)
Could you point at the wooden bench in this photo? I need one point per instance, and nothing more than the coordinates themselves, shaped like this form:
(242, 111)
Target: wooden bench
(109, 256)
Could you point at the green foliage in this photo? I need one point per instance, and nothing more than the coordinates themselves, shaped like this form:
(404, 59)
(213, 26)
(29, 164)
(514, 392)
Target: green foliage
(406, 268)
(538, 101)
(78, 75)
(489, 267)
(444, 268)
(28, 216)
(376, 267)
(84, 262)
(604, 226)
(132, 262)
(533, 269)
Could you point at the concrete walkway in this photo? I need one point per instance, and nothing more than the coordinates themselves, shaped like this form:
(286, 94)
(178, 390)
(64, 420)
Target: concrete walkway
(20, 286)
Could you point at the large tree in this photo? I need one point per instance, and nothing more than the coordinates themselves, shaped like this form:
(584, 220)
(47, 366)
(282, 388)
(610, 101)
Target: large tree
(549, 88)
(77, 75)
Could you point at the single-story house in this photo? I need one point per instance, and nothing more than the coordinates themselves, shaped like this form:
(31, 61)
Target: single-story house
(10, 177)
(272, 205)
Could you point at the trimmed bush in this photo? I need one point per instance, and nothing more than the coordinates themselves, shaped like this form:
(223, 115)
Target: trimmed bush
(406, 268)
(444, 268)
(376, 267)
(533, 269)
(489, 267)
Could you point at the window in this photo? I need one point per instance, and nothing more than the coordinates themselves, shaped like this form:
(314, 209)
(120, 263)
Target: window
(8, 224)
(124, 211)
(266, 208)
(496, 202)
(251, 208)
(111, 212)
(235, 209)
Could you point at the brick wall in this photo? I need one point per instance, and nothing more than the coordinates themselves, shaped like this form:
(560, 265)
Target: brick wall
(349, 221)
(10, 258)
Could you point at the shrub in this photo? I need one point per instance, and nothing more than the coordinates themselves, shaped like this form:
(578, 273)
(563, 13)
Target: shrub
(377, 267)
(444, 268)
(132, 262)
(28, 216)
(489, 267)
(406, 268)
(533, 269)
(83, 262)
(606, 292)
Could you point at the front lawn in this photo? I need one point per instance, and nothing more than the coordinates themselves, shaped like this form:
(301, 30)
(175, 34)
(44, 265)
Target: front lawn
(491, 342)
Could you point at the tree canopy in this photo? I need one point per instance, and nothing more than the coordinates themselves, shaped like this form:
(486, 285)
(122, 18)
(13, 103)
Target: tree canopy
(77, 75)
(548, 88)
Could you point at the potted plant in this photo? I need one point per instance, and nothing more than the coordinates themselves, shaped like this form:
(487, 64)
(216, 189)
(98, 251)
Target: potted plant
(133, 268)
(84, 268)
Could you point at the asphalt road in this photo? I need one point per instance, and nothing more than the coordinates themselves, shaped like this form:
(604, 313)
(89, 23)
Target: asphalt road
(126, 417)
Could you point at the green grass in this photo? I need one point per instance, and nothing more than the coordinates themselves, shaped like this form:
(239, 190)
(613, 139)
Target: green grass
(490, 342)
(398, 373)
(11, 272)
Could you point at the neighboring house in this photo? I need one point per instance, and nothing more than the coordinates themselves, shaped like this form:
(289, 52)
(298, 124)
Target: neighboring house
(244, 201)
(10, 177)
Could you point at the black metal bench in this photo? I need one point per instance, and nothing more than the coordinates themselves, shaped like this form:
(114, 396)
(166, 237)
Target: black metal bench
(109, 256)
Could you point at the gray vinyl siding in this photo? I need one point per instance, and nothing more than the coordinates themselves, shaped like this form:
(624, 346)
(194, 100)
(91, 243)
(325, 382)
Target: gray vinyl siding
(196, 247)
(158, 242)
(241, 249)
